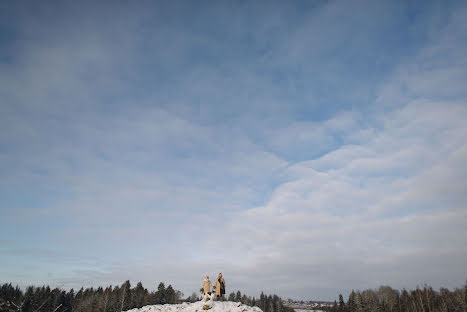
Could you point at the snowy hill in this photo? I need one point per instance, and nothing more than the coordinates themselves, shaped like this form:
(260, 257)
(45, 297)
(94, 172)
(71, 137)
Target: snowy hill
(200, 306)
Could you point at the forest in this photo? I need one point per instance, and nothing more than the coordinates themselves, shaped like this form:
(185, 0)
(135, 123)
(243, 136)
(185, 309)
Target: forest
(125, 297)
(387, 299)
(267, 303)
(111, 299)
(118, 298)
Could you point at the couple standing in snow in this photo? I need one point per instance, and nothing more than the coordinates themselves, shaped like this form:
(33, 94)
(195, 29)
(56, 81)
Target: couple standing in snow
(218, 289)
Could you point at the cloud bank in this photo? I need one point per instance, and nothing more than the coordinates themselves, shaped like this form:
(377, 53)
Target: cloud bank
(296, 148)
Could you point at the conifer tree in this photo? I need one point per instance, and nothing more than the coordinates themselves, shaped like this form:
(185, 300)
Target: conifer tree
(270, 304)
(139, 295)
(351, 307)
(126, 296)
(231, 296)
(160, 294)
(341, 303)
(262, 301)
(238, 297)
(277, 307)
(28, 299)
(170, 295)
(359, 304)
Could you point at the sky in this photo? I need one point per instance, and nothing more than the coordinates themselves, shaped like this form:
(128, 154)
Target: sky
(303, 148)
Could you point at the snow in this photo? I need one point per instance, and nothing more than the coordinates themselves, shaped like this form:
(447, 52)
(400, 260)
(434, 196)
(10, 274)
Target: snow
(209, 306)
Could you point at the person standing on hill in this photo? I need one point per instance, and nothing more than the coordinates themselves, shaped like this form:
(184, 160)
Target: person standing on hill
(220, 286)
(206, 286)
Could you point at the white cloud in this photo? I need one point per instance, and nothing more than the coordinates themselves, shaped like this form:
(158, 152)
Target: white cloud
(220, 167)
(396, 200)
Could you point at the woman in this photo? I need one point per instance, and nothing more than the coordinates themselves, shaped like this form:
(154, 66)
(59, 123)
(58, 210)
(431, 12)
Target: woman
(207, 286)
(220, 286)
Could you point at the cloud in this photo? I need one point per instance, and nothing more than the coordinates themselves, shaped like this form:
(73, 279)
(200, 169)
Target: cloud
(367, 211)
(302, 151)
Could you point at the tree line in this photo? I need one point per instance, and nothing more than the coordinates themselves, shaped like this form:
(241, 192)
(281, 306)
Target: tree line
(267, 303)
(118, 298)
(386, 299)
(124, 297)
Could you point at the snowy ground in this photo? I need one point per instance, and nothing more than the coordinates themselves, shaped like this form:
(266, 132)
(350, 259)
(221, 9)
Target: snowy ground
(209, 306)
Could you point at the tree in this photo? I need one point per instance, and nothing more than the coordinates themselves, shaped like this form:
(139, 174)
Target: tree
(139, 295)
(262, 301)
(114, 299)
(170, 295)
(126, 296)
(28, 299)
(160, 294)
(359, 304)
(341, 303)
(238, 297)
(231, 296)
(277, 303)
(351, 305)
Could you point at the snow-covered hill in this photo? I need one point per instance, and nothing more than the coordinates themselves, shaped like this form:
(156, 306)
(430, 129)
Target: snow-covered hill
(200, 306)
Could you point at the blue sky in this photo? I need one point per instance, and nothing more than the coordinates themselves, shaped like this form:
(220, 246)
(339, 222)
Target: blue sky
(304, 148)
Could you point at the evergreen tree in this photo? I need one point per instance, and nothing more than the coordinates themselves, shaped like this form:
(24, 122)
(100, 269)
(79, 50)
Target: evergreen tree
(160, 294)
(277, 304)
(28, 299)
(114, 302)
(270, 306)
(238, 297)
(139, 295)
(351, 306)
(262, 302)
(359, 304)
(126, 296)
(341, 303)
(231, 296)
(170, 295)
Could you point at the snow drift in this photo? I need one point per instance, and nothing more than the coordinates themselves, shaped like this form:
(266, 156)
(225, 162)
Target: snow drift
(200, 306)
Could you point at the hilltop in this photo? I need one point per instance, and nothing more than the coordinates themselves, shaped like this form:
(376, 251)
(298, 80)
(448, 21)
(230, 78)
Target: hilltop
(200, 306)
